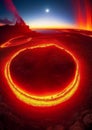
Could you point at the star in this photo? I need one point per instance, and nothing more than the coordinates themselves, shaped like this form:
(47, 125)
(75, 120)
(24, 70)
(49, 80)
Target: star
(47, 10)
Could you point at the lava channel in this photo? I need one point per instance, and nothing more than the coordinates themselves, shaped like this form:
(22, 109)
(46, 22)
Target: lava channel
(43, 75)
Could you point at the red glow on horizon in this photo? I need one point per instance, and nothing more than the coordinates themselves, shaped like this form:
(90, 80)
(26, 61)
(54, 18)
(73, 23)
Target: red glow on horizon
(83, 17)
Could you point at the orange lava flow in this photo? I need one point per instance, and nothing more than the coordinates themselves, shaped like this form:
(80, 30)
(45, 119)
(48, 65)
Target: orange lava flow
(10, 44)
(42, 101)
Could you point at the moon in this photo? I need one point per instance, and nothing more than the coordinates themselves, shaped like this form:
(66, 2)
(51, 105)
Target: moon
(47, 10)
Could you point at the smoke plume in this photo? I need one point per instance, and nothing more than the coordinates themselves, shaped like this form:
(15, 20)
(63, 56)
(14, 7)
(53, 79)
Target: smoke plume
(10, 6)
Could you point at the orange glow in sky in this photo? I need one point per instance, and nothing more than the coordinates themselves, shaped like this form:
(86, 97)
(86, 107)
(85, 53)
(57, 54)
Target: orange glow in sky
(48, 23)
(83, 19)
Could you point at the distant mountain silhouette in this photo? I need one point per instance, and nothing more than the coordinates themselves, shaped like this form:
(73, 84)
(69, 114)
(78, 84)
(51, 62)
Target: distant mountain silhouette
(9, 31)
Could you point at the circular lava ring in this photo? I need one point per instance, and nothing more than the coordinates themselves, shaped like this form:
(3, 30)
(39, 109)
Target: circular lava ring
(42, 101)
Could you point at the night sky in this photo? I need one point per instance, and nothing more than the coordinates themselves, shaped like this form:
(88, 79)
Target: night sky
(42, 12)
(33, 11)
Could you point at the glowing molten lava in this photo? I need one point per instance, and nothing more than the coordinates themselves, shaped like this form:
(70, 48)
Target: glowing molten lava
(44, 100)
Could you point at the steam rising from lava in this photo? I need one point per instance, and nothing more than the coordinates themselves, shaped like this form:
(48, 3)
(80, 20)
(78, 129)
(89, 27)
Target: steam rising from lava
(10, 6)
(84, 16)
